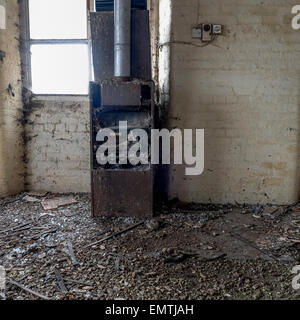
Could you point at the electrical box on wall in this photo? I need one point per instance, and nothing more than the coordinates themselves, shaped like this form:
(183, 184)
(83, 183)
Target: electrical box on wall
(206, 31)
(217, 29)
(197, 33)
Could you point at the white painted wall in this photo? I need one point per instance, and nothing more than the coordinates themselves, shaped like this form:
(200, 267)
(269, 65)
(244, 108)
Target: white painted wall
(58, 145)
(244, 91)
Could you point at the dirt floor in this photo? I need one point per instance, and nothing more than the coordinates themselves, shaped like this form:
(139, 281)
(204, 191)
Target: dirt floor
(187, 252)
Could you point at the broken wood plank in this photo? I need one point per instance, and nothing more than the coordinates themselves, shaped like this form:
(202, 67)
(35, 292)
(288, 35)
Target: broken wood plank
(19, 285)
(16, 228)
(81, 283)
(39, 235)
(181, 256)
(60, 281)
(15, 233)
(176, 259)
(78, 282)
(269, 211)
(55, 203)
(284, 211)
(6, 202)
(117, 263)
(72, 254)
(115, 234)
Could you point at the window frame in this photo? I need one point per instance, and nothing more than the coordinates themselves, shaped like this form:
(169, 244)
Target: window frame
(26, 42)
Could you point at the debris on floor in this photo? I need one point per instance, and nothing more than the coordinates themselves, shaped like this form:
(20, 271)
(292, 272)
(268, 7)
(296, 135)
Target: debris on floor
(52, 204)
(37, 193)
(30, 199)
(194, 252)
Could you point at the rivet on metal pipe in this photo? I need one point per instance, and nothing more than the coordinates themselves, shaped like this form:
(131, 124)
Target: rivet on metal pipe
(122, 41)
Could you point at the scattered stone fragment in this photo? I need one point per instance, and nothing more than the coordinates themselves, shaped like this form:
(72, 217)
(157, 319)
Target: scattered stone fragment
(256, 216)
(153, 225)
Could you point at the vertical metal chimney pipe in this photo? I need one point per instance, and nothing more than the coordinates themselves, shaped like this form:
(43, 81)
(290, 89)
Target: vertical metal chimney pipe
(122, 41)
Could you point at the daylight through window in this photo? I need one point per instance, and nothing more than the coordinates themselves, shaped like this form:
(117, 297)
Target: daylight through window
(59, 46)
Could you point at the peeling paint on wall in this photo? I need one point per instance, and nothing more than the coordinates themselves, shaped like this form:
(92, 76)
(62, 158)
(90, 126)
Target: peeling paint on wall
(11, 128)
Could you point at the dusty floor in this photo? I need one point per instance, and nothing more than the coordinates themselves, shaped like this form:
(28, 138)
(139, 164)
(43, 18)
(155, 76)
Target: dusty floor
(195, 252)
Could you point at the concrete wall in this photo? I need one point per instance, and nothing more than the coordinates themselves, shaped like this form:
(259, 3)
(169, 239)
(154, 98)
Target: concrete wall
(58, 145)
(11, 128)
(243, 89)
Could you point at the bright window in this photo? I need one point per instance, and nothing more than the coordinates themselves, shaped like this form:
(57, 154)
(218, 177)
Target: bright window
(59, 46)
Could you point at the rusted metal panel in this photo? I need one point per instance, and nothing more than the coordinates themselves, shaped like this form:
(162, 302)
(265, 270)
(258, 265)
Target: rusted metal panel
(102, 28)
(141, 49)
(122, 193)
(137, 117)
(117, 93)
(102, 31)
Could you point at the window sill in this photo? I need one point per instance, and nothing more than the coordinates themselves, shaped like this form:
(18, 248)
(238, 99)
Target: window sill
(61, 97)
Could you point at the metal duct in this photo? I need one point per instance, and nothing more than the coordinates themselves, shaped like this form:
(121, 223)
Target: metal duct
(122, 45)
